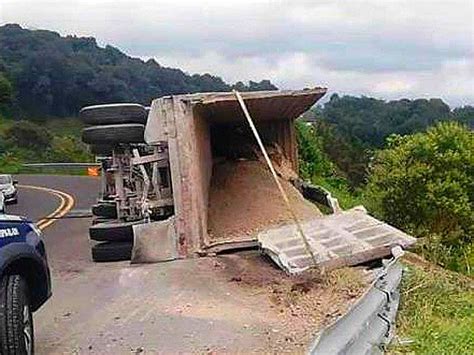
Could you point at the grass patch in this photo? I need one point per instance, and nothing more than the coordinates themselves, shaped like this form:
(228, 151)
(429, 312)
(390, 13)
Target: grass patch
(436, 311)
(71, 126)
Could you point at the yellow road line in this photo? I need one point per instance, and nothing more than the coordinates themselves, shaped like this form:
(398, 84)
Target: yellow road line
(67, 201)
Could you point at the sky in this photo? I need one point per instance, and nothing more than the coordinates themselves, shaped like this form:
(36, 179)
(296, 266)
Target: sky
(383, 48)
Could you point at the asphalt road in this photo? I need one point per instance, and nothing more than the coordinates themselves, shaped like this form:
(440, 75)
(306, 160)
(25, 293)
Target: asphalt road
(44, 203)
(66, 240)
(113, 308)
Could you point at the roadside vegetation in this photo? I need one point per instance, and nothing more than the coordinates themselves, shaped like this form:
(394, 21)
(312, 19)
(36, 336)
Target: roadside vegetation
(32, 141)
(409, 163)
(422, 181)
(436, 314)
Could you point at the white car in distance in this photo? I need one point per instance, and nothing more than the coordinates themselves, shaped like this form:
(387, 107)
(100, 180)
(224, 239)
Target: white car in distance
(8, 189)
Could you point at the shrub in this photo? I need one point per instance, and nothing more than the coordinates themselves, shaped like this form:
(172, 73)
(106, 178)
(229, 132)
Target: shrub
(26, 134)
(68, 149)
(424, 184)
(312, 161)
(9, 164)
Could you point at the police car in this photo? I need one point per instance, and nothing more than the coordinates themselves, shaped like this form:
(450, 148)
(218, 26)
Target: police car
(25, 282)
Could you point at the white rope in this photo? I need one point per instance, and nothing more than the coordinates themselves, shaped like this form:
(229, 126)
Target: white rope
(275, 177)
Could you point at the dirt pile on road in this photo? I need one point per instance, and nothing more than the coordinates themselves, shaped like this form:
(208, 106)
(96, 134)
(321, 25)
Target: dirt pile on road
(299, 305)
(244, 200)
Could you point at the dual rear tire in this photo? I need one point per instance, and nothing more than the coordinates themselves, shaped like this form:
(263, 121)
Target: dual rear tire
(113, 124)
(113, 114)
(113, 240)
(110, 135)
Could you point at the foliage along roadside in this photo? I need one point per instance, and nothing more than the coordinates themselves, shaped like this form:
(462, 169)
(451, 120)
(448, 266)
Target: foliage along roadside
(436, 314)
(421, 183)
(26, 141)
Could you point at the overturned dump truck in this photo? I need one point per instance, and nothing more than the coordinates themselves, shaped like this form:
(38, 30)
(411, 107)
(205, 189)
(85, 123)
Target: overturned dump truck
(185, 178)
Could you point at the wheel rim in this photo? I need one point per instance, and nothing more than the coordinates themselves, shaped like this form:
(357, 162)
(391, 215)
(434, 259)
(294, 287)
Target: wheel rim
(27, 330)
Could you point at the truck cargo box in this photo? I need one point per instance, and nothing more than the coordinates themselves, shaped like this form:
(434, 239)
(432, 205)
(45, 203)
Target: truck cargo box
(224, 193)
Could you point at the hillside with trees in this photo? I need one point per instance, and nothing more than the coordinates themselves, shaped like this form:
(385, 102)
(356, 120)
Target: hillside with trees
(351, 129)
(46, 78)
(410, 162)
(51, 75)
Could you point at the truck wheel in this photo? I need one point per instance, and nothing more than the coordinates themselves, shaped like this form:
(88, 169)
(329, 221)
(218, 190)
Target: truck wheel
(98, 220)
(16, 320)
(113, 114)
(114, 231)
(102, 149)
(107, 210)
(112, 251)
(114, 134)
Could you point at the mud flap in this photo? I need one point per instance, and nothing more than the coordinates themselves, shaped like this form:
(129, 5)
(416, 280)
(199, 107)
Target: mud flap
(154, 242)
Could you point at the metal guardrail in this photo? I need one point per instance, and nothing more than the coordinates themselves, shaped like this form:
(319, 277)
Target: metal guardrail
(61, 165)
(368, 327)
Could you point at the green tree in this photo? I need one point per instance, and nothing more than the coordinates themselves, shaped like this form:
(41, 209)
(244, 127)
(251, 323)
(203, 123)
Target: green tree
(465, 115)
(6, 90)
(312, 161)
(56, 76)
(424, 184)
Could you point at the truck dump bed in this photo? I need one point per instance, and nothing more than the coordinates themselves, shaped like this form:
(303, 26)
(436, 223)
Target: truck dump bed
(223, 193)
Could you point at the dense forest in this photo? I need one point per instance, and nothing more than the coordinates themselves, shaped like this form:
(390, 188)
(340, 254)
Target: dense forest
(51, 75)
(350, 128)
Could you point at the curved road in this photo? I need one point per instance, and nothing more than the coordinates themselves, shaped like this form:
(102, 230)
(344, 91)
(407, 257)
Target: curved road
(66, 239)
(117, 308)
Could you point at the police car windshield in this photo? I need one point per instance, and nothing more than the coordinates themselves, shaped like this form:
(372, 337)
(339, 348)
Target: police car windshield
(5, 179)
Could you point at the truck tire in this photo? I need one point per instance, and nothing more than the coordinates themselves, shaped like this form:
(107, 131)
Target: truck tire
(98, 220)
(16, 320)
(107, 210)
(112, 251)
(114, 231)
(102, 149)
(113, 114)
(114, 134)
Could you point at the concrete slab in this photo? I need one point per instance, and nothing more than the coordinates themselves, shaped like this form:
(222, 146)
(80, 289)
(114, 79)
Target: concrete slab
(344, 239)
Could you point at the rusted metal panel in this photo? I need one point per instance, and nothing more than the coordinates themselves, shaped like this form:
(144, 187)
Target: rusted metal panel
(344, 239)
